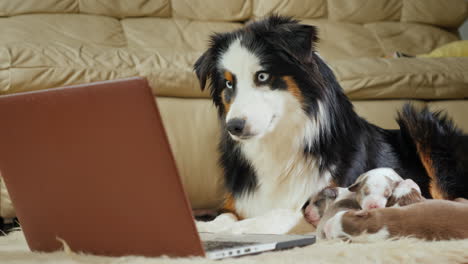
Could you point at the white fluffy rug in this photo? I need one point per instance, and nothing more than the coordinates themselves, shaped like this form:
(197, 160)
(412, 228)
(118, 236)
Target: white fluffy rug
(13, 248)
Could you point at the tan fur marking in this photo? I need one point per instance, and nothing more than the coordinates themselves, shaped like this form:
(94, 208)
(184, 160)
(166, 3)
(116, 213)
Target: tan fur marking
(229, 206)
(293, 88)
(228, 76)
(426, 160)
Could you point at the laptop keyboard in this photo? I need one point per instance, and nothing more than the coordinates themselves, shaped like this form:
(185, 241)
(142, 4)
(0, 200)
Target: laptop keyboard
(218, 245)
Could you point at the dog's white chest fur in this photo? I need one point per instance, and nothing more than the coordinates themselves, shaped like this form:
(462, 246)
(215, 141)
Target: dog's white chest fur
(286, 177)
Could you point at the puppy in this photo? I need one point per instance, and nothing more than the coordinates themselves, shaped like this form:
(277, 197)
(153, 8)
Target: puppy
(328, 206)
(405, 193)
(317, 205)
(429, 220)
(374, 187)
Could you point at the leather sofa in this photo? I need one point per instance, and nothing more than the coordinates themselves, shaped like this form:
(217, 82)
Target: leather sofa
(51, 43)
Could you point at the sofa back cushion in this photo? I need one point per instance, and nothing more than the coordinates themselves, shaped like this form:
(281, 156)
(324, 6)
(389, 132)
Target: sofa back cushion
(213, 10)
(442, 13)
(112, 8)
(11, 8)
(364, 11)
(297, 8)
(126, 8)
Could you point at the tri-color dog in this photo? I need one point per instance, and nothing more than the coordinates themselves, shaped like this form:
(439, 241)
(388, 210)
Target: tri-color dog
(288, 130)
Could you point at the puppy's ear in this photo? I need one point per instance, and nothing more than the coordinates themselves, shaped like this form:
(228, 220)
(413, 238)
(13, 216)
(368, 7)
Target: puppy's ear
(355, 186)
(395, 184)
(203, 68)
(330, 192)
(357, 183)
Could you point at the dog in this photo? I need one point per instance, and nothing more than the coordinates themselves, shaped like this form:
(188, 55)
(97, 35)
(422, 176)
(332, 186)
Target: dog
(288, 130)
(374, 188)
(429, 220)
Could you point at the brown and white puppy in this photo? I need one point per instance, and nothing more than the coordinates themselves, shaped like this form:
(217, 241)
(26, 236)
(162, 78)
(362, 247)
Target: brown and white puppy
(374, 187)
(317, 205)
(430, 220)
(405, 193)
(329, 202)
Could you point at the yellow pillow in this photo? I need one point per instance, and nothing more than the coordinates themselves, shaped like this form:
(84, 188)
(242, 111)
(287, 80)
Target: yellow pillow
(453, 49)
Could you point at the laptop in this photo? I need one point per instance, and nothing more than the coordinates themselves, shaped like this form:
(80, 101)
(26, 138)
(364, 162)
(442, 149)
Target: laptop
(91, 165)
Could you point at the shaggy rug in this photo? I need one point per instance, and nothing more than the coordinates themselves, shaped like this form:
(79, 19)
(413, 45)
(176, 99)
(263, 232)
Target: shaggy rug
(13, 248)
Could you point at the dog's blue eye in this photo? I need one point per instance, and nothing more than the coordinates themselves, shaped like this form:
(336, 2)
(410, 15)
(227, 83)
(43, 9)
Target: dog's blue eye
(229, 84)
(263, 76)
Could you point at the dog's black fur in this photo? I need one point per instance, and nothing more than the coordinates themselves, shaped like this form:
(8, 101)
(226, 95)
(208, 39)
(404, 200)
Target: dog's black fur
(348, 146)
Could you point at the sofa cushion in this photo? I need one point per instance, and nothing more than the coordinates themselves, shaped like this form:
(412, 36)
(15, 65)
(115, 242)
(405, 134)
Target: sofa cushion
(177, 35)
(364, 11)
(383, 112)
(421, 78)
(446, 13)
(342, 40)
(62, 29)
(193, 133)
(296, 8)
(409, 38)
(113, 8)
(10, 8)
(30, 67)
(214, 10)
(126, 8)
(50, 50)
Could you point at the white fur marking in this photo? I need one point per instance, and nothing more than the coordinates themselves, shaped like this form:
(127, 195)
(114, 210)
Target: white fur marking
(333, 227)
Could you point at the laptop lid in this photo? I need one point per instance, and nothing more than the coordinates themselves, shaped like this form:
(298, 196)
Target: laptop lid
(91, 164)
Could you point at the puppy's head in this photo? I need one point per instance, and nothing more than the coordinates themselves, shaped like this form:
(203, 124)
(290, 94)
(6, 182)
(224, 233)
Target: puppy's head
(317, 205)
(375, 187)
(320, 203)
(256, 74)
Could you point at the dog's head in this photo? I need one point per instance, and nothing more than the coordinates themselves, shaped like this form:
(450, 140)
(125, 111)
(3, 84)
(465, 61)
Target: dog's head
(260, 73)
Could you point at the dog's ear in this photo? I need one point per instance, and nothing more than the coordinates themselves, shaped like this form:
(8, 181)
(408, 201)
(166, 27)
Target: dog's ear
(298, 39)
(203, 68)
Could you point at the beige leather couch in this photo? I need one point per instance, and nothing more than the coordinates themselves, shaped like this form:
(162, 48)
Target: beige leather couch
(50, 43)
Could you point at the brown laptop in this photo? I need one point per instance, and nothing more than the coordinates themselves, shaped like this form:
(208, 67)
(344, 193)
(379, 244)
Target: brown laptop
(91, 165)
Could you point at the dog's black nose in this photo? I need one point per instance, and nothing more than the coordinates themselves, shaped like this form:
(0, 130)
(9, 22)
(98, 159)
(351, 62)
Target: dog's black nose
(236, 126)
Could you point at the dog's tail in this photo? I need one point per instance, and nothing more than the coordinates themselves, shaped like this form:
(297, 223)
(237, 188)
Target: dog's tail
(441, 148)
